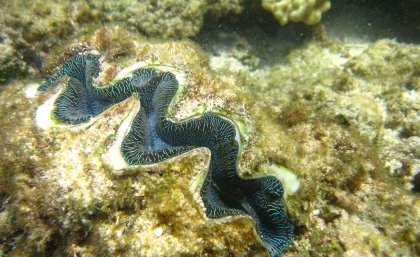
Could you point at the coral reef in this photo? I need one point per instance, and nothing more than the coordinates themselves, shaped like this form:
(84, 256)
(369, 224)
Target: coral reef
(30, 29)
(307, 11)
(173, 19)
(336, 121)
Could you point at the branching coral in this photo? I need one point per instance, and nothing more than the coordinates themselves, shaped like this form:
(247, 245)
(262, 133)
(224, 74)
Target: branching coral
(307, 11)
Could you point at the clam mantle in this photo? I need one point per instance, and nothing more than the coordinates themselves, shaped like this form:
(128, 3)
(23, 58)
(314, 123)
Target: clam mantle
(152, 138)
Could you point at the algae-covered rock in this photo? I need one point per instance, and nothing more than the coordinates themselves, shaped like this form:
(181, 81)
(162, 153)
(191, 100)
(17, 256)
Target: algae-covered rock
(47, 23)
(30, 29)
(169, 18)
(11, 63)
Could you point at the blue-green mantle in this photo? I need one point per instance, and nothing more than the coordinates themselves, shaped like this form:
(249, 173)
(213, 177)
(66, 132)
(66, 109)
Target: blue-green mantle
(153, 138)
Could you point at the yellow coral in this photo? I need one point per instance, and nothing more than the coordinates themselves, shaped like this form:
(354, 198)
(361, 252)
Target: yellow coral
(308, 11)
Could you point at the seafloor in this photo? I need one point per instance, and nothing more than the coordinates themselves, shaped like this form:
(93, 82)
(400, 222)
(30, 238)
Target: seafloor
(327, 102)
